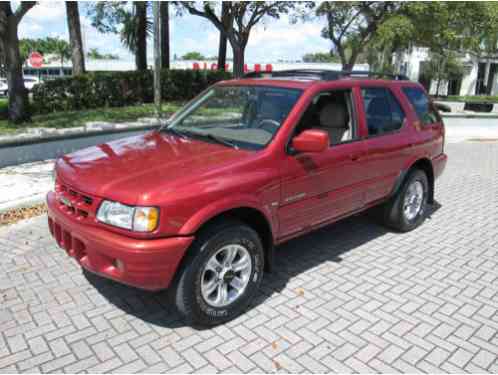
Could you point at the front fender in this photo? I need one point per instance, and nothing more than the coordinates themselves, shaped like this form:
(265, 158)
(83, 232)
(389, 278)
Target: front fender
(226, 204)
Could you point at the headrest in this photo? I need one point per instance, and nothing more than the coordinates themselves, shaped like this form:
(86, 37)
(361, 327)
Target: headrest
(334, 115)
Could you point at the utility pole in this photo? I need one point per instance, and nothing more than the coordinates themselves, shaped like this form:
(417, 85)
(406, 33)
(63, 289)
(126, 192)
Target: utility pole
(157, 61)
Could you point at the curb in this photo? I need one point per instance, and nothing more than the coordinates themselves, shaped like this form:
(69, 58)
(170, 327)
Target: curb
(469, 115)
(42, 135)
(22, 141)
(23, 203)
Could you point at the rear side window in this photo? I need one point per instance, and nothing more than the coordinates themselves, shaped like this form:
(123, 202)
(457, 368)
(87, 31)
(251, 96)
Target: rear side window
(421, 105)
(383, 112)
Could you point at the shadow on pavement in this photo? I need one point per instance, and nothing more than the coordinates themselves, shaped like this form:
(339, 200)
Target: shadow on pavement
(291, 259)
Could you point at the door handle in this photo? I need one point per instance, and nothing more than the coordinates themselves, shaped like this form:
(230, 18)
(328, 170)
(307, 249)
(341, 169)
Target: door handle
(355, 157)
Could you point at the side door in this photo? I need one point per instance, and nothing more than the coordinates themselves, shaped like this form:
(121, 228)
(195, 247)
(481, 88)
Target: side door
(388, 139)
(321, 187)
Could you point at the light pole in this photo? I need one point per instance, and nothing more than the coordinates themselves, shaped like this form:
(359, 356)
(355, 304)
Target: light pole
(157, 61)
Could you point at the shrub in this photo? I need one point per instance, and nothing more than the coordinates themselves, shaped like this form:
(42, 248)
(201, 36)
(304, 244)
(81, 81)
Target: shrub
(117, 89)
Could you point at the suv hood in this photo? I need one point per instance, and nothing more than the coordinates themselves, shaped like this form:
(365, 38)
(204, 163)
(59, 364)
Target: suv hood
(125, 170)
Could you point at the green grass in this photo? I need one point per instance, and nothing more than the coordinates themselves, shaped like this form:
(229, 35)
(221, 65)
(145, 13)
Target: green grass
(79, 118)
(4, 107)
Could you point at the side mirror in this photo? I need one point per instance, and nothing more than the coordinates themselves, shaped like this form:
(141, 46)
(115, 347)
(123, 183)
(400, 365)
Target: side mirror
(312, 140)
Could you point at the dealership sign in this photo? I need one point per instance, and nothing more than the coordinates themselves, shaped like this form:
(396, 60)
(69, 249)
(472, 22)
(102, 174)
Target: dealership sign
(36, 59)
(257, 67)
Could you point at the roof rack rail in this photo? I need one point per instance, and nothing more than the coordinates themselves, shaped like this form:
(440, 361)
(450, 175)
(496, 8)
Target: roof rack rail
(324, 74)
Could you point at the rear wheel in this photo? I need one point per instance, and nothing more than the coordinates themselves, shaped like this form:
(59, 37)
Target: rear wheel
(406, 211)
(221, 275)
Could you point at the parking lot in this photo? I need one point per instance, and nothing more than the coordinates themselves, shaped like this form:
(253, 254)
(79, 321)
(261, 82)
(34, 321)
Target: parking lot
(351, 297)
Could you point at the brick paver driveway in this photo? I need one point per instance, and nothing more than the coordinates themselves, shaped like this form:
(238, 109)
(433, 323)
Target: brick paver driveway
(351, 298)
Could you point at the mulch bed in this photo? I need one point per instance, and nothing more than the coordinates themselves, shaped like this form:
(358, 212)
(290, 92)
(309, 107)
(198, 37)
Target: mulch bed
(13, 216)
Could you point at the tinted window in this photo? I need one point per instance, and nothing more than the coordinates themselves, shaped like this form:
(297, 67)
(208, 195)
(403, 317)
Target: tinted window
(383, 112)
(421, 104)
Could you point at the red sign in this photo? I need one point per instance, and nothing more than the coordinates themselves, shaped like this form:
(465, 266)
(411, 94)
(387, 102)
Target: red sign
(257, 67)
(36, 59)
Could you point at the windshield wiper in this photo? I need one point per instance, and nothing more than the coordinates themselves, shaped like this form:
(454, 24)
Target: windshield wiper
(220, 140)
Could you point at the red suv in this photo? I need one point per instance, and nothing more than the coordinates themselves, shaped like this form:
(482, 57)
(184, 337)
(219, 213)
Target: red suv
(200, 203)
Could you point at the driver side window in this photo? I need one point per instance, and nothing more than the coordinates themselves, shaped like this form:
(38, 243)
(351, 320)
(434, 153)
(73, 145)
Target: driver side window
(331, 111)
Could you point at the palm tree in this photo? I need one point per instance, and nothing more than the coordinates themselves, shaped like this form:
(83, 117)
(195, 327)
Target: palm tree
(73, 24)
(132, 26)
(164, 17)
(136, 27)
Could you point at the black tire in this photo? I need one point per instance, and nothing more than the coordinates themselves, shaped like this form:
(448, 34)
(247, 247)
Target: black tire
(188, 296)
(394, 215)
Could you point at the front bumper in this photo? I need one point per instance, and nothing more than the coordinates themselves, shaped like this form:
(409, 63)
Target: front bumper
(145, 264)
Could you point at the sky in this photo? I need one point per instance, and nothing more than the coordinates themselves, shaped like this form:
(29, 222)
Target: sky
(270, 41)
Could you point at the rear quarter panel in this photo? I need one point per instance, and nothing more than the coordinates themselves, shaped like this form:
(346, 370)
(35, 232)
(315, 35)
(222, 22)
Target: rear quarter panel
(427, 141)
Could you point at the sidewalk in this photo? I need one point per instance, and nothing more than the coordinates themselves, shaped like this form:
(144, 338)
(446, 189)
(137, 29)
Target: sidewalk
(25, 185)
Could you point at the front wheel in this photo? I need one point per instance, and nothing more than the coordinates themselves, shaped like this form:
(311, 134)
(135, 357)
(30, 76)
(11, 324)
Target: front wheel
(407, 210)
(221, 275)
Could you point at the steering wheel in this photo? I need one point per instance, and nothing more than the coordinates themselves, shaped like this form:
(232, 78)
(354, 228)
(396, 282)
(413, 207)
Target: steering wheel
(271, 126)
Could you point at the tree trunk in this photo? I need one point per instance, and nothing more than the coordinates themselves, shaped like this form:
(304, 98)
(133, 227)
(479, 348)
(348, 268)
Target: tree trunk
(222, 48)
(352, 60)
(347, 67)
(238, 61)
(222, 52)
(440, 74)
(18, 95)
(344, 61)
(164, 16)
(73, 24)
(141, 35)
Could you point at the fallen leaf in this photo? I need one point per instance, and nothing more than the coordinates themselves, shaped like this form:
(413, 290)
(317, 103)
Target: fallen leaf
(278, 366)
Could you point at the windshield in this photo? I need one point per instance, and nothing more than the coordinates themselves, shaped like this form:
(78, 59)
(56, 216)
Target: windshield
(236, 116)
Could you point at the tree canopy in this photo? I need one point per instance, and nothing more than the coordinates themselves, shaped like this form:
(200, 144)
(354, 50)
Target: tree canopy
(130, 20)
(320, 57)
(351, 25)
(240, 18)
(385, 27)
(194, 55)
(95, 54)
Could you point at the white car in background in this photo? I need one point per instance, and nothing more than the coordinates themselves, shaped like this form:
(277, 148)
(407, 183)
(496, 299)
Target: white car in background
(4, 89)
(29, 82)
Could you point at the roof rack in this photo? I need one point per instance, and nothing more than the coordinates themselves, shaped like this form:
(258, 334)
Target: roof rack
(324, 74)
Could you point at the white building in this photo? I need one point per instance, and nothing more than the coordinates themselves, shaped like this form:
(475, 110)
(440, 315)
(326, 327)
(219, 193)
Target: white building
(480, 76)
(53, 69)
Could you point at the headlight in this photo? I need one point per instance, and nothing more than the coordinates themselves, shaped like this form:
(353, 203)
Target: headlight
(145, 219)
(138, 219)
